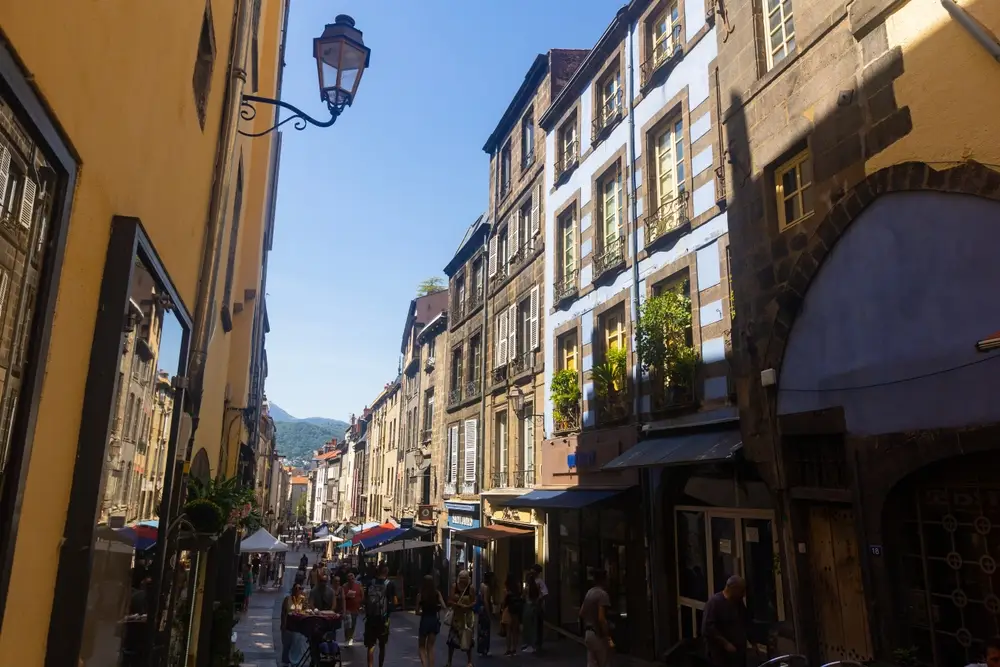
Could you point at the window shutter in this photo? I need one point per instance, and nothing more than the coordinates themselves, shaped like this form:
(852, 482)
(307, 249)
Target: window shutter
(27, 203)
(493, 256)
(533, 343)
(4, 286)
(453, 448)
(470, 450)
(620, 203)
(4, 173)
(512, 236)
(536, 205)
(501, 344)
(512, 332)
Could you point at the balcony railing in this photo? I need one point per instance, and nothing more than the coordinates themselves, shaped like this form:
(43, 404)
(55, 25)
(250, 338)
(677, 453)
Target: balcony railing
(612, 255)
(568, 422)
(517, 256)
(570, 158)
(473, 388)
(615, 407)
(505, 189)
(669, 216)
(475, 299)
(566, 287)
(457, 310)
(498, 480)
(521, 363)
(501, 273)
(498, 376)
(528, 160)
(669, 50)
(449, 488)
(673, 395)
(524, 479)
(455, 396)
(609, 114)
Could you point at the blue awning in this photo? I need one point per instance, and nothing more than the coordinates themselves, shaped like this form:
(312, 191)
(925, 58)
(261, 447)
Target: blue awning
(683, 448)
(382, 538)
(565, 499)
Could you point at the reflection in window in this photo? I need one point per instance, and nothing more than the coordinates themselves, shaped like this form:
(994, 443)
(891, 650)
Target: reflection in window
(692, 566)
(127, 528)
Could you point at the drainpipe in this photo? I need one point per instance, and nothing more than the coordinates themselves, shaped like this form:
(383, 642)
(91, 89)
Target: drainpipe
(204, 311)
(645, 475)
(979, 32)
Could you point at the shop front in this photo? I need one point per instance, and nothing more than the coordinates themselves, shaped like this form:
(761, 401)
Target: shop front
(461, 554)
(522, 546)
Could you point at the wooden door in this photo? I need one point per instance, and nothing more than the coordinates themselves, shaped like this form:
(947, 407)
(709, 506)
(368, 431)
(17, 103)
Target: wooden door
(837, 589)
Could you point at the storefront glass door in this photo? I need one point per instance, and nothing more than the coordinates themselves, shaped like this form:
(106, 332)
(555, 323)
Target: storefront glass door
(714, 544)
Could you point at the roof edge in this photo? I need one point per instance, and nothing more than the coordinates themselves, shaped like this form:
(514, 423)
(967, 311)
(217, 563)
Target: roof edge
(532, 80)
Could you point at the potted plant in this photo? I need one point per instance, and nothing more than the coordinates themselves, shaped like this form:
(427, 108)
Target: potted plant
(661, 335)
(565, 389)
(218, 503)
(610, 384)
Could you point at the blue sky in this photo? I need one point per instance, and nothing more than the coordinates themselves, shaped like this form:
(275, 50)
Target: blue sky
(368, 208)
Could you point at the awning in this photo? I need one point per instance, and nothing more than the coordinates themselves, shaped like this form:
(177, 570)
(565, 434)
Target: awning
(402, 545)
(565, 499)
(680, 449)
(381, 538)
(494, 532)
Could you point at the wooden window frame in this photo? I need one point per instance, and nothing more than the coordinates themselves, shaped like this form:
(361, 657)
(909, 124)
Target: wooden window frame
(766, 13)
(564, 342)
(670, 17)
(566, 221)
(674, 126)
(780, 196)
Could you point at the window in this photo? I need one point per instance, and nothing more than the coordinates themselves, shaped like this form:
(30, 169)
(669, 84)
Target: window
(234, 235)
(477, 280)
(505, 170)
(524, 325)
(528, 446)
(780, 29)
(500, 436)
(670, 162)
(524, 234)
(431, 345)
(793, 190)
(567, 144)
(459, 295)
(610, 88)
(456, 370)
(611, 206)
(567, 244)
(502, 246)
(528, 139)
(568, 351)
(614, 329)
(475, 357)
(203, 64)
(666, 34)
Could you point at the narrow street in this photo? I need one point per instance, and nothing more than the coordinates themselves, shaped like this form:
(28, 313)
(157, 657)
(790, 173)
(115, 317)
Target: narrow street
(258, 636)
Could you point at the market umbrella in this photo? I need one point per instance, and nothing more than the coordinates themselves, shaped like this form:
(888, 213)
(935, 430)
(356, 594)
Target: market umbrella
(262, 542)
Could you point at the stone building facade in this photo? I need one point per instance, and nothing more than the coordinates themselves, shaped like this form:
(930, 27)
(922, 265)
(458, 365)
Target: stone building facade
(862, 216)
(380, 471)
(433, 342)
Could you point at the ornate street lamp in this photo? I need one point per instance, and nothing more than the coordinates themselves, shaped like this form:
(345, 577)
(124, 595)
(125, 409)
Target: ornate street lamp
(341, 59)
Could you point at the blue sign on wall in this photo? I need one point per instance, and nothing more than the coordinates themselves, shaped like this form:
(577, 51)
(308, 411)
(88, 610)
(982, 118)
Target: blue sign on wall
(460, 521)
(581, 459)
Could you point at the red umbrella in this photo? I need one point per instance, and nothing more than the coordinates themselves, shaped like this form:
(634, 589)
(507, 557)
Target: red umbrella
(377, 530)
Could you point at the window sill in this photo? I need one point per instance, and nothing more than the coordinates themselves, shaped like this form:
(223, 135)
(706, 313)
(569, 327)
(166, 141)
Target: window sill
(795, 223)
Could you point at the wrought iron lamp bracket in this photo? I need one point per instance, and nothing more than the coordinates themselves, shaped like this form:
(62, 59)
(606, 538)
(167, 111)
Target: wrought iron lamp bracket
(248, 112)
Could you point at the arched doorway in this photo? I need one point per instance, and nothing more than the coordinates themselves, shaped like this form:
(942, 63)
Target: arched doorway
(942, 530)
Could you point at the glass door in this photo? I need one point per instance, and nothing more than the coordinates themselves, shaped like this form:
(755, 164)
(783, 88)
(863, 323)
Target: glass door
(725, 551)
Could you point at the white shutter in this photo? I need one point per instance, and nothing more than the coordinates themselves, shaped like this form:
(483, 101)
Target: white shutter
(533, 325)
(512, 237)
(470, 450)
(536, 205)
(453, 449)
(493, 256)
(501, 343)
(4, 173)
(27, 203)
(4, 286)
(512, 332)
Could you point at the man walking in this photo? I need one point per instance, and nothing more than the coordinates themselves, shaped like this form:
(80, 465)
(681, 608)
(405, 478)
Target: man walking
(380, 600)
(543, 596)
(353, 594)
(725, 625)
(594, 615)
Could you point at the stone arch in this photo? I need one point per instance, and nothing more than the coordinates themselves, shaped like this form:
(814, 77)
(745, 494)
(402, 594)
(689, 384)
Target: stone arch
(970, 178)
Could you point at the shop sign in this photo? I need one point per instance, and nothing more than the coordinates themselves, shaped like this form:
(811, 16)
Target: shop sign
(406, 522)
(513, 515)
(462, 521)
(425, 513)
(586, 459)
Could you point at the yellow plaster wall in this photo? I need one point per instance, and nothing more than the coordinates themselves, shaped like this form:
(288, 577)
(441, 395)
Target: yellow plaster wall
(117, 77)
(950, 83)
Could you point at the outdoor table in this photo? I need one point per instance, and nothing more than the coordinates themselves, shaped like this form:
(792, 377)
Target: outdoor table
(312, 625)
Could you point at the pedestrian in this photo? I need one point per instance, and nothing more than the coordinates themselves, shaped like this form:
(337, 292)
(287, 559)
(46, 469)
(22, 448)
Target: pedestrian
(724, 625)
(339, 604)
(321, 596)
(293, 602)
(247, 586)
(529, 620)
(314, 573)
(484, 613)
(255, 566)
(461, 601)
(543, 596)
(428, 607)
(594, 616)
(380, 601)
(353, 594)
(512, 608)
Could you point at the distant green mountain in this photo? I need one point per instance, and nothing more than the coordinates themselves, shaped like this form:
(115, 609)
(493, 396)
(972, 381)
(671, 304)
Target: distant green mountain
(298, 439)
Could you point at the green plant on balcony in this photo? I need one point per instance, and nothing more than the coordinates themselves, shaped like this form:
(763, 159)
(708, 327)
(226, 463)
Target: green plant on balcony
(236, 505)
(610, 384)
(565, 389)
(662, 340)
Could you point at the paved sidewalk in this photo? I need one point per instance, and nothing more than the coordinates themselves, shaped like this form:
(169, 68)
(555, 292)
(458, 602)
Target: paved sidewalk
(258, 633)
